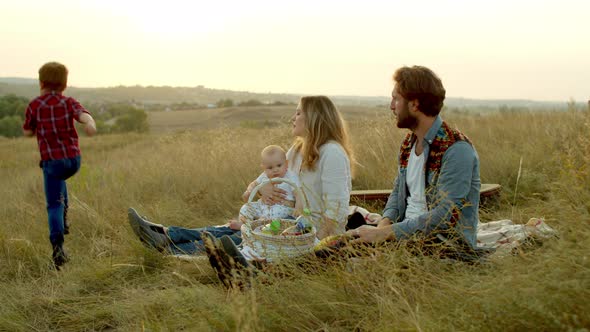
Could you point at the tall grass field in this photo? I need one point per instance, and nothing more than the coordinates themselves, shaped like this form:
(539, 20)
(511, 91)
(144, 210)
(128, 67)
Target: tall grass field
(194, 174)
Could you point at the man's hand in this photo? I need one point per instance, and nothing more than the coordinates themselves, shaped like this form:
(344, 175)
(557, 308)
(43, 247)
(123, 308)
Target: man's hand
(384, 222)
(368, 233)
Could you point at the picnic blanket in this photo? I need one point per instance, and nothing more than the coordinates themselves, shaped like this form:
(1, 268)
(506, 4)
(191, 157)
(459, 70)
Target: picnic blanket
(502, 235)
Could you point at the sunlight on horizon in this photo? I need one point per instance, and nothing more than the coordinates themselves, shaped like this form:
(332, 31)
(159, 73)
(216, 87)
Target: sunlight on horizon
(501, 49)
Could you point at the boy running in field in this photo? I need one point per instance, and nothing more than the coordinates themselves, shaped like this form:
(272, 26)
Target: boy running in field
(51, 118)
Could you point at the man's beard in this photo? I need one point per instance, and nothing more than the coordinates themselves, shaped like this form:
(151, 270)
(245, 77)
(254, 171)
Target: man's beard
(407, 121)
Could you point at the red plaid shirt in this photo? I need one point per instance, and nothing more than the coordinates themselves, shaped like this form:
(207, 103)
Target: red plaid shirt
(51, 117)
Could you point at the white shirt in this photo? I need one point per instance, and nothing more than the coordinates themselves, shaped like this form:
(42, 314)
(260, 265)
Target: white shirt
(327, 188)
(415, 180)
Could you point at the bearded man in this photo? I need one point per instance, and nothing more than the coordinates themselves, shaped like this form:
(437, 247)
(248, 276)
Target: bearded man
(436, 191)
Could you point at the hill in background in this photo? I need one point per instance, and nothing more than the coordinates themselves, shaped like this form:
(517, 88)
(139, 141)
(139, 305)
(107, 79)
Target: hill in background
(137, 94)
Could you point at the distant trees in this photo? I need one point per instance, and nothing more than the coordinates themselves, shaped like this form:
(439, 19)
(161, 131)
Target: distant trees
(225, 103)
(12, 115)
(184, 106)
(251, 102)
(114, 117)
(10, 126)
(247, 103)
(281, 103)
(134, 120)
(119, 118)
(150, 96)
(13, 105)
(110, 118)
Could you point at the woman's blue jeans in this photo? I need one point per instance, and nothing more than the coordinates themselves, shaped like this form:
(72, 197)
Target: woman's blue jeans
(188, 241)
(55, 174)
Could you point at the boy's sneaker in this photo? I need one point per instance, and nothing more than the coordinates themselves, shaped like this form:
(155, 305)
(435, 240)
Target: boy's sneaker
(60, 257)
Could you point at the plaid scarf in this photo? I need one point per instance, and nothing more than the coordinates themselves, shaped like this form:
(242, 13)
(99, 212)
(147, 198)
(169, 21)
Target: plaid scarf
(445, 137)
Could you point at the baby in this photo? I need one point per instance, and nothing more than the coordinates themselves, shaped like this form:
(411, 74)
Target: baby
(274, 165)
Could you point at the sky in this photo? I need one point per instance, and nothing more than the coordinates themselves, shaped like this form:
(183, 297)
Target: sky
(500, 49)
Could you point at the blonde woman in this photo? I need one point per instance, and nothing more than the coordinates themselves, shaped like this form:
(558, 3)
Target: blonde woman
(322, 157)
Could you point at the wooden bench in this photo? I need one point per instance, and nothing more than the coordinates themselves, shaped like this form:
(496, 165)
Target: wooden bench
(487, 192)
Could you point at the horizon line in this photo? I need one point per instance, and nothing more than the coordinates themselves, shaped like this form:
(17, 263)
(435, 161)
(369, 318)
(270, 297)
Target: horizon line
(275, 93)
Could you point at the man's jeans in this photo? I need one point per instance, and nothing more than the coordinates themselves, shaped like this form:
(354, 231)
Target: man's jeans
(55, 174)
(188, 241)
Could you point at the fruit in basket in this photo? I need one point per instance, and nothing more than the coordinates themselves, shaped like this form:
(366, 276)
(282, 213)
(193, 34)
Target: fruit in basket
(303, 224)
(293, 230)
(274, 228)
(266, 229)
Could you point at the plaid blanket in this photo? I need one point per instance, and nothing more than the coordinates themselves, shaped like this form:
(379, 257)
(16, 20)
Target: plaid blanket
(502, 235)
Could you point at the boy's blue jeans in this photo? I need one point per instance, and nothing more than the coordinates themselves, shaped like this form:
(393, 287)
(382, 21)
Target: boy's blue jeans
(187, 241)
(55, 174)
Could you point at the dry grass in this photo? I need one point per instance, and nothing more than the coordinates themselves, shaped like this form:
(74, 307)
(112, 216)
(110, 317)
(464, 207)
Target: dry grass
(242, 117)
(195, 178)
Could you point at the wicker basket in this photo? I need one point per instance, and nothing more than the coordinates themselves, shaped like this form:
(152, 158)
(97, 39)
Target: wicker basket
(275, 247)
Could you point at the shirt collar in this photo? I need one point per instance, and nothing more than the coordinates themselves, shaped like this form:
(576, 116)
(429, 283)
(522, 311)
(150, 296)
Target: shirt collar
(52, 93)
(431, 134)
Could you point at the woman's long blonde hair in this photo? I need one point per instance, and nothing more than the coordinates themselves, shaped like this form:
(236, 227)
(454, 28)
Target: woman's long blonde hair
(323, 122)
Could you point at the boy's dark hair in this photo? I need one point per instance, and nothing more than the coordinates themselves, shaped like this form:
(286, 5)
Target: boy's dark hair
(421, 83)
(54, 76)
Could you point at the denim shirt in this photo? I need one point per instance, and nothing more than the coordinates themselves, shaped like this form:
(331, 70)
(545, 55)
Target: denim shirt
(452, 193)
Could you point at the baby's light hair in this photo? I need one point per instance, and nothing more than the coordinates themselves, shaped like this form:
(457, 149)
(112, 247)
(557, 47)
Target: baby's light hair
(271, 150)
